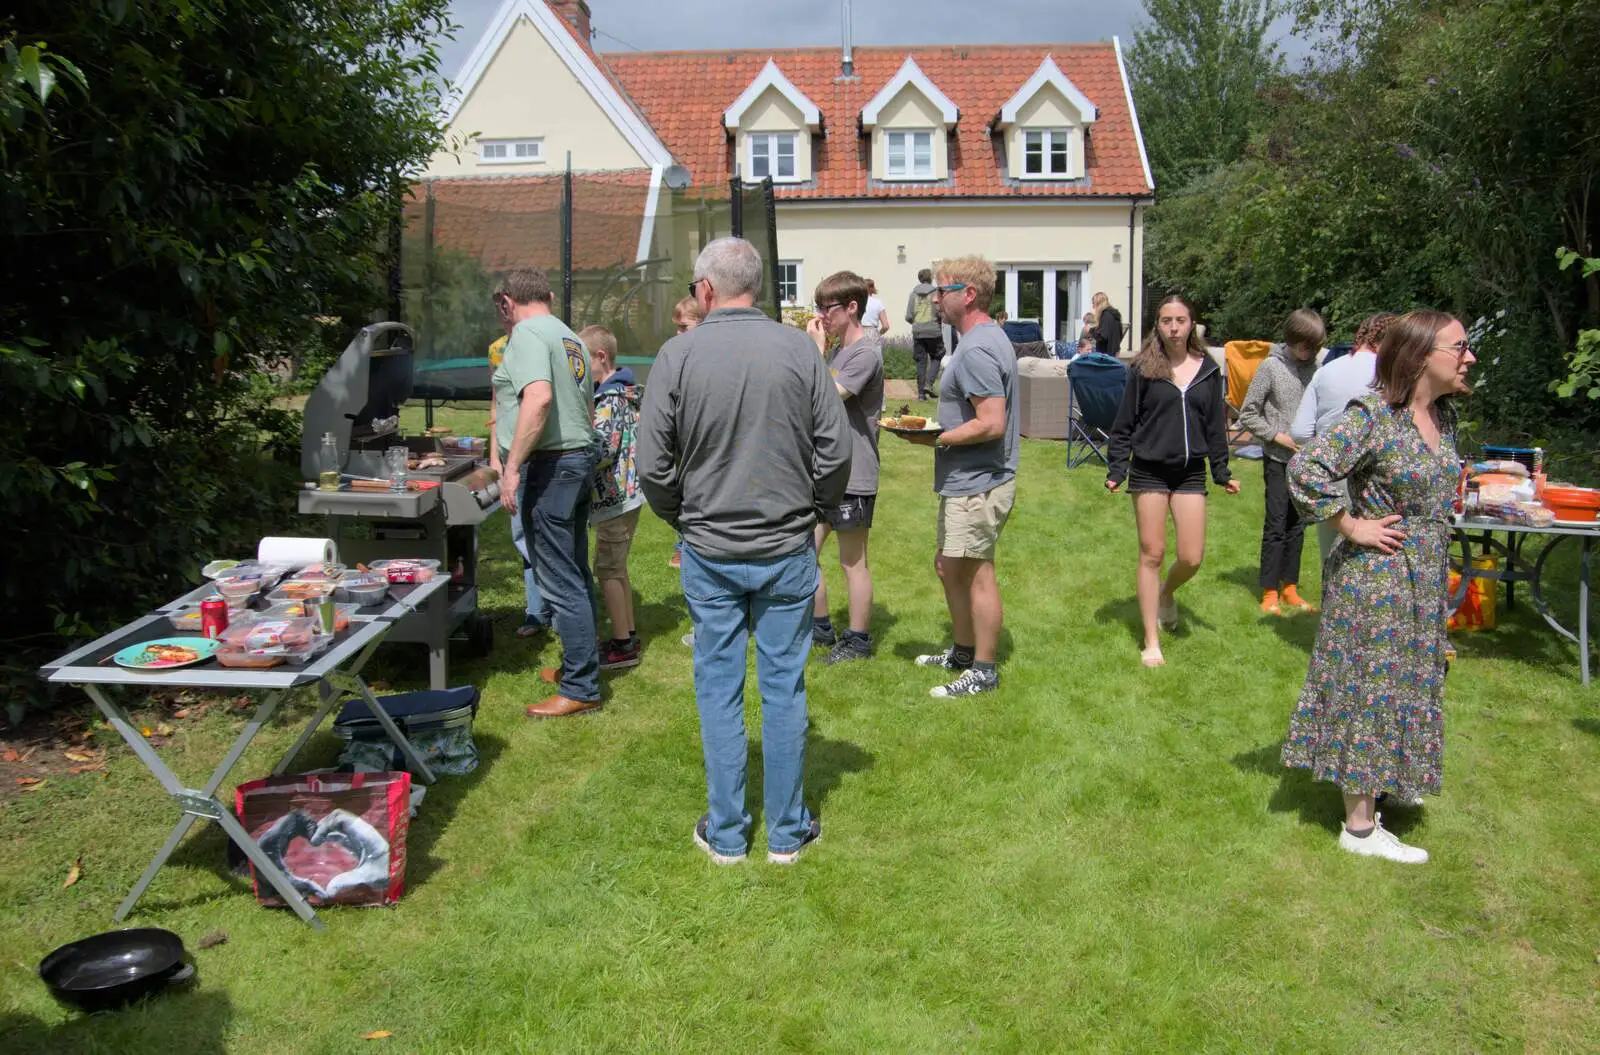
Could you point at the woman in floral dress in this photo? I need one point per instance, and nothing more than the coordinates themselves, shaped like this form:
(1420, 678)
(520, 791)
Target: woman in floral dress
(1370, 718)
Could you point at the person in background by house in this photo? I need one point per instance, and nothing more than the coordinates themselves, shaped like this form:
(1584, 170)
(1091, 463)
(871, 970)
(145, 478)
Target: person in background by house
(686, 315)
(1085, 345)
(742, 383)
(1089, 330)
(875, 319)
(1268, 409)
(857, 368)
(544, 394)
(617, 498)
(1370, 718)
(1172, 421)
(1332, 389)
(974, 474)
(927, 338)
(1107, 326)
(536, 615)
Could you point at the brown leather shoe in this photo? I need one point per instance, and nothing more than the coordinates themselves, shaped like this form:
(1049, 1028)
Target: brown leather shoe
(561, 707)
(550, 675)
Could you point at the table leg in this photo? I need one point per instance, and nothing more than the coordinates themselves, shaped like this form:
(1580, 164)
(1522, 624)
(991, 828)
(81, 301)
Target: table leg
(1583, 607)
(265, 869)
(353, 684)
(330, 699)
(156, 864)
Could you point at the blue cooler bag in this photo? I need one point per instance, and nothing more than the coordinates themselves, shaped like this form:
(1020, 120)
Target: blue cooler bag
(438, 724)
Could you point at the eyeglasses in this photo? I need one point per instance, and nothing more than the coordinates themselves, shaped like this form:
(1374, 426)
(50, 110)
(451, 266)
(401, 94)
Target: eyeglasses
(823, 309)
(1460, 348)
(693, 284)
(952, 288)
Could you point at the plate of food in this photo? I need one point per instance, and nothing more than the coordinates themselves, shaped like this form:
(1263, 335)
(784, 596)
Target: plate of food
(910, 425)
(167, 653)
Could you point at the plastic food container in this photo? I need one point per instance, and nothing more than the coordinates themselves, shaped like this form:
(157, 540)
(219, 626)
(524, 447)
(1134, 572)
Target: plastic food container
(296, 590)
(239, 658)
(364, 590)
(320, 572)
(407, 571)
(238, 591)
(297, 610)
(1572, 503)
(262, 634)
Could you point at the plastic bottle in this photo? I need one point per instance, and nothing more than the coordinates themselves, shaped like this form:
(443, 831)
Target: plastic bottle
(328, 464)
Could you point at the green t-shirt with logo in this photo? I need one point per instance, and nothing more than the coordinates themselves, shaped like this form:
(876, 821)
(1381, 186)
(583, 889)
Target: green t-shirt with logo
(544, 349)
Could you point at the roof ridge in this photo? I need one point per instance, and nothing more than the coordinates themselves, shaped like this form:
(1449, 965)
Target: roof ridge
(829, 49)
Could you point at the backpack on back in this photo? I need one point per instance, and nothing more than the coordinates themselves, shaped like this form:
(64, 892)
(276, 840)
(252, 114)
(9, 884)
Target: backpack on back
(923, 312)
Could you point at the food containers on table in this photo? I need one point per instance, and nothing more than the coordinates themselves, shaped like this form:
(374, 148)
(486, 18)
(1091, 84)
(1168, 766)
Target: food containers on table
(322, 571)
(299, 610)
(365, 589)
(268, 642)
(1572, 503)
(409, 570)
(299, 590)
(237, 591)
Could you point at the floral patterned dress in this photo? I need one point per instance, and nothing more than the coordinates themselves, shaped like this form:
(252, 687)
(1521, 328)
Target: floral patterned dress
(1370, 718)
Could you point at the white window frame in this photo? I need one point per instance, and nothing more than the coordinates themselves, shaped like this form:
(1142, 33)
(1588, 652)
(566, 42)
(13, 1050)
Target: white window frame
(798, 286)
(772, 142)
(528, 151)
(908, 160)
(1049, 138)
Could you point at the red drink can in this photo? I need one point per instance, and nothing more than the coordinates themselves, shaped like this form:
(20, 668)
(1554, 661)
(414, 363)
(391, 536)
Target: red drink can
(213, 617)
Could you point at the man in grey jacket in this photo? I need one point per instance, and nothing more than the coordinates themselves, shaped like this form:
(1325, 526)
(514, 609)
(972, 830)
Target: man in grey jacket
(927, 336)
(1268, 410)
(742, 439)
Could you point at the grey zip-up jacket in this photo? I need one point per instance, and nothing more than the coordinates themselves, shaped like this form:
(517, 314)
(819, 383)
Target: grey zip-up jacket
(1273, 397)
(742, 437)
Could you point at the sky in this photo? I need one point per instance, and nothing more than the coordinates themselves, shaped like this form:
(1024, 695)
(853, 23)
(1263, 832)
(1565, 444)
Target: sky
(662, 25)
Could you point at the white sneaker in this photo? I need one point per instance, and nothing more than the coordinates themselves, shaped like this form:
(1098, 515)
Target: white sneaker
(1381, 843)
(1167, 614)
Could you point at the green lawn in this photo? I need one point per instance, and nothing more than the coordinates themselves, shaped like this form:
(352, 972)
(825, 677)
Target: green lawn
(1098, 856)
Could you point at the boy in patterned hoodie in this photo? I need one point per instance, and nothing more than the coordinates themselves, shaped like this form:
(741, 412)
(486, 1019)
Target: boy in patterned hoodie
(617, 498)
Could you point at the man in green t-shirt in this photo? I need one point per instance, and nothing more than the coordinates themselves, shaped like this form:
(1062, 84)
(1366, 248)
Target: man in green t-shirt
(544, 424)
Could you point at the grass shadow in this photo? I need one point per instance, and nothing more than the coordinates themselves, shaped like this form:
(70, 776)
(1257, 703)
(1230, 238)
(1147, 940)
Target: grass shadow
(827, 764)
(191, 1020)
(1245, 577)
(1124, 610)
(1316, 802)
(910, 650)
(439, 806)
(1526, 639)
(1587, 725)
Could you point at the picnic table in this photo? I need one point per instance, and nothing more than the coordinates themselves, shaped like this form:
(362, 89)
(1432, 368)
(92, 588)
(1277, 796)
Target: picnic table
(336, 673)
(1518, 567)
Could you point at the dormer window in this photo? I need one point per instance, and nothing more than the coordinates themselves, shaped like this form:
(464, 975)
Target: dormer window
(772, 154)
(1047, 152)
(510, 151)
(908, 155)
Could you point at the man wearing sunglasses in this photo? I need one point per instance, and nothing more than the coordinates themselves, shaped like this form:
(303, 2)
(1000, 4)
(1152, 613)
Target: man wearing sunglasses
(974, 473)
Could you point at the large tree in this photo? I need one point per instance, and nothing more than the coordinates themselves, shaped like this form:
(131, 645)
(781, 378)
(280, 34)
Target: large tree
(1200, 71)
(201, 180)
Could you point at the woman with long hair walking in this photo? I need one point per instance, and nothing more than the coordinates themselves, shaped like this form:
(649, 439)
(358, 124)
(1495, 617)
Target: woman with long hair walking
(1370, 717)
(1171, 422)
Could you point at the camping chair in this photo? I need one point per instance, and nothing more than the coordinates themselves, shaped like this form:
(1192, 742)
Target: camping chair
(1094, 394)
(1244, 358)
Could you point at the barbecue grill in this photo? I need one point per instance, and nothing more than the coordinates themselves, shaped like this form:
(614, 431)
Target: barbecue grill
(359, 401)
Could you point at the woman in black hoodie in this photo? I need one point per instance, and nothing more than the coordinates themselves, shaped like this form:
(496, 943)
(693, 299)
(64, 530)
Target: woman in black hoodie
(1172, 420)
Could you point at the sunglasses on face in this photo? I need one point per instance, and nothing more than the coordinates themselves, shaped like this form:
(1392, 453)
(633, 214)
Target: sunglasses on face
(1459, 349)
(954, 287)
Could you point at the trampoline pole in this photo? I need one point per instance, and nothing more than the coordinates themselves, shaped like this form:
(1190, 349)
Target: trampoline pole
(566, 243)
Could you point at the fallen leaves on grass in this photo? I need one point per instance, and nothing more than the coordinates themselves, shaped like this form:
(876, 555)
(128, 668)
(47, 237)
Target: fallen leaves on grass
(81, 756)
(34, 785)
(216, 937)
(239, 703)
(28, 780)
(74, 873)
(11, 756)
(377, 1034)
(163, 729)
(93, 767)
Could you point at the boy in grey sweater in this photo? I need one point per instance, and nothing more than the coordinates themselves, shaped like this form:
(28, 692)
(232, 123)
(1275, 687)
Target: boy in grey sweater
(1267, 412)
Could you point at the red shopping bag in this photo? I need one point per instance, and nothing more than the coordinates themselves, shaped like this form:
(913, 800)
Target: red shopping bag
(340, 837)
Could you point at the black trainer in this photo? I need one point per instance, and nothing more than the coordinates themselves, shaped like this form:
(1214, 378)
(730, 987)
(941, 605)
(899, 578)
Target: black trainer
(789, 857)
(971, 683)
(823, 635)
(850, 647)
(942, 660)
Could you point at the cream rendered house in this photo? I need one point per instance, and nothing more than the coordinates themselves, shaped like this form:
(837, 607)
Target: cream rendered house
(885, 159)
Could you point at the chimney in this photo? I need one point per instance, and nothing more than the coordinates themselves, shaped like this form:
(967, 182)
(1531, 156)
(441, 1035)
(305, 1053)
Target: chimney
(847, 61)
(576, 14)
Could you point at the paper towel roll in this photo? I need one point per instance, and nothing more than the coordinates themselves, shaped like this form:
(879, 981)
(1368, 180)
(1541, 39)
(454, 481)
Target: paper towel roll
(296, 551)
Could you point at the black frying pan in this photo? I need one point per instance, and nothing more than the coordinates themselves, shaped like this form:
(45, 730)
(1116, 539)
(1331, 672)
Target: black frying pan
(115, 968)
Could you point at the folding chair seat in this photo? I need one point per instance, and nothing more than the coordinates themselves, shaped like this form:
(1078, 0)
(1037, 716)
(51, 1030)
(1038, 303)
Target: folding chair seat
(1094, 394)
(1244, 358)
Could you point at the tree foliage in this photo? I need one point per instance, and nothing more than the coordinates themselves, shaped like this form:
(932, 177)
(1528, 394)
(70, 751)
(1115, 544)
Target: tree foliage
(1199, 70)
(205, 177)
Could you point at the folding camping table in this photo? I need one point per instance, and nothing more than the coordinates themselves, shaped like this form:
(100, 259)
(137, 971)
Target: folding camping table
(336, 673)
(1518, 568)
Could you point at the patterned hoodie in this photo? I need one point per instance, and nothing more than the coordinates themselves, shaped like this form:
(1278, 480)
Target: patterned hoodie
(616, 446)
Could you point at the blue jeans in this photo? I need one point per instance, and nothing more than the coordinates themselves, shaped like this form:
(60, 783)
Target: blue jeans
(535, 607)
(555, 518)
(728, 598)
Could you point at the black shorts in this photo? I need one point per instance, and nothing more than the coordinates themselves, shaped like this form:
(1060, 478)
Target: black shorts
(1160, 478)
(853, 514)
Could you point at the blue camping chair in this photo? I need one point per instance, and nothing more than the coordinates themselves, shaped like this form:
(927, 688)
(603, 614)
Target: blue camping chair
(1094, 394)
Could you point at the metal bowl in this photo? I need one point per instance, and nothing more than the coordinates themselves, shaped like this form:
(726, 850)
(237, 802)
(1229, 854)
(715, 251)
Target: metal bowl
(115, 968)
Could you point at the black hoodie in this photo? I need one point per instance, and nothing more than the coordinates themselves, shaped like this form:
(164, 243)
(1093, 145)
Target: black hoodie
(1160, 423)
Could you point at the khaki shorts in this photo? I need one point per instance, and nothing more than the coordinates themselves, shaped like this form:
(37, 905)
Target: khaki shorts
(612, 540)
(970, 526)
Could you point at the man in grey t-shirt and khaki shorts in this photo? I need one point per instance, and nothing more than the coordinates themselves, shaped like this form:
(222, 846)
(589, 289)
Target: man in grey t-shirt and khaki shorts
(974, 473)
(857, 369)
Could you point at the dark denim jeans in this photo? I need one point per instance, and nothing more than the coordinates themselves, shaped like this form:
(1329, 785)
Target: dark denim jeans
(534, 605)
(555, 514)
(727, 599)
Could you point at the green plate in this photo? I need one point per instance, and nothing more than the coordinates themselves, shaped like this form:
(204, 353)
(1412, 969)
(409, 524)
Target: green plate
(140, 656)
